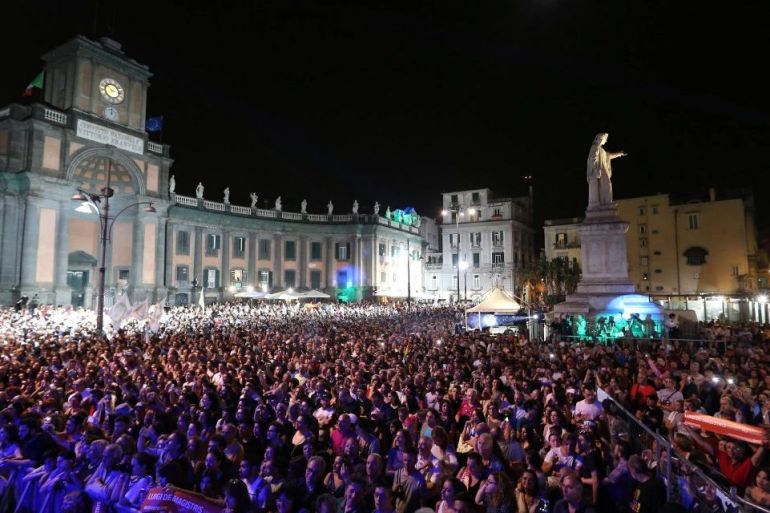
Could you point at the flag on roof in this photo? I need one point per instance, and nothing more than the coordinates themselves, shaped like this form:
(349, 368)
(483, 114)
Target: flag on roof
(37, 82)
(154, 124)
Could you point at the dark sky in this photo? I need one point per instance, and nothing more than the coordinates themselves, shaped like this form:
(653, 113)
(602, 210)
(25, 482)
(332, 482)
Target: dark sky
(399, 101)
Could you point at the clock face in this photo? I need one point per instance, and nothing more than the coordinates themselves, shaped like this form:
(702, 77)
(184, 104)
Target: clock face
(112, 91)
(111, 113)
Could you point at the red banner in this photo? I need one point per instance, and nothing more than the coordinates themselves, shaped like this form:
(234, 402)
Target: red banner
(751, 434)
(175, 500)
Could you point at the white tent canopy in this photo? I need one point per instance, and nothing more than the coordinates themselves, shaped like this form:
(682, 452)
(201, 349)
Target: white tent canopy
(497, 301)
(250, 295)
(314, 294)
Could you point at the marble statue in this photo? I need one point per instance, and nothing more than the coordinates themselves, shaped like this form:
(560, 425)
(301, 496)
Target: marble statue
(599, 173)
(278, 203)
(330, 207)
(355, 207)
(226, 199)
(254, 199)
(416, 220)
(303, 207)
(387, 212)
(199, 190)
(376, 208)
(172, 185)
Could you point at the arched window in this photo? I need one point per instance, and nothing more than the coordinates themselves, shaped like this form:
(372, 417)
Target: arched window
(695, 255)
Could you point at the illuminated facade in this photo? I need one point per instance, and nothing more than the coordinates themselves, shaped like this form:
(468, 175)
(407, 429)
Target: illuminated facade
(92, 123)
(491, 239)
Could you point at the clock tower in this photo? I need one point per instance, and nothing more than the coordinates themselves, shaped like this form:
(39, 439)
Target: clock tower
(98, 79)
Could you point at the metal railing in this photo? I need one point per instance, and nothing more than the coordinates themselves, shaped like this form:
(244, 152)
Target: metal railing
(55, 116)
(155, 147)
(686, 483)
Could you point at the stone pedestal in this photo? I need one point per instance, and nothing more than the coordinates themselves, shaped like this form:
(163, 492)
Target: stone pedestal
(605, 292)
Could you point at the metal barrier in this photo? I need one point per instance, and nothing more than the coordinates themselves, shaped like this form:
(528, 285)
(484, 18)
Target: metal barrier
(686, 483)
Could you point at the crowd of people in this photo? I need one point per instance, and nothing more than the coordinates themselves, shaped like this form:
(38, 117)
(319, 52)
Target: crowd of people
(360, 408)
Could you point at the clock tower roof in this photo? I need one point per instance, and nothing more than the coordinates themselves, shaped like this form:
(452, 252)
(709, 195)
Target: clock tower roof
(105, 50)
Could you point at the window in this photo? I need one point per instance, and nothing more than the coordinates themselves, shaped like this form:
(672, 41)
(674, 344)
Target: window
(642, 242)
(213, 243)
(211, 278)
(343, 250)
(182, 243)
(693, 221)
(383, 277)
(656, 253)
(239, 247)
(289, 276)
(315, 252)
(655, 231)
(264, 249)
(395, 277)
(497, 212)
(454, 217)
(644, 261)
(453, 199)
(642, 211)
(265, 279)
(289, 250)
(454, 238)
(455, 256)
(561, 240)
(475, 239)
(315, 279)
(434, 283)
(695, 255)
(123, 274)
(654, 209)
(476, 282)
(238, 278)
(382, 249)
(642, 228)
(659, 287)
(182, 274)
(497, 238)
(734, 271)
(658, 271)
(475, 198)
(477, 260)
(498, 258)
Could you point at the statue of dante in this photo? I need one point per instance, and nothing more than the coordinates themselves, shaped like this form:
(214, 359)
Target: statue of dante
(199, 190)
(303, 207)
(172, 185)
(226, 199)
(376, 208)
(355, 207)
(330, 207)
(599, 173)
(254, 199)
(278, 203)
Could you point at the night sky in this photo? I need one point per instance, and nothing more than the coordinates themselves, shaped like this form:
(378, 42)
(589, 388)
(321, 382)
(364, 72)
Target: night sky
(399, 101)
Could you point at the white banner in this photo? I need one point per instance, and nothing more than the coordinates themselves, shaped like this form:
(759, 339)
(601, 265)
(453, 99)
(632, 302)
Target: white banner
(104, 135)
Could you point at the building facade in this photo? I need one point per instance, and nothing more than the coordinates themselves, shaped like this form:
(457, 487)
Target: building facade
(88, 135)
(684, 251)
(483, 243)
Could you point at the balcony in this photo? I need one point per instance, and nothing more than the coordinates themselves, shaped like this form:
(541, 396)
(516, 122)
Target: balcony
(498, 243)
(566, 245)
(434, 265)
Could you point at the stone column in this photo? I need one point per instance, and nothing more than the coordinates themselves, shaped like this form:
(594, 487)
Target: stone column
(375, 262)
(170, 274)
(354, 259)
(329, 262)
(277, 260)
(225, 264)
(198, 257)
(137, 257)
(252, 269)
(160, 263)
(62, 294)
(303, 261)
(29, 245)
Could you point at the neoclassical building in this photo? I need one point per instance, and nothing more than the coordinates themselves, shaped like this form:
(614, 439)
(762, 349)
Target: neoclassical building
(88, 135)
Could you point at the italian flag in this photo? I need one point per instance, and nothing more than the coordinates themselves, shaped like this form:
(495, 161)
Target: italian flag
(36, 82)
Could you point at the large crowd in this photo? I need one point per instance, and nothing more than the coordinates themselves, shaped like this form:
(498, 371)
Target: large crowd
(362, 408)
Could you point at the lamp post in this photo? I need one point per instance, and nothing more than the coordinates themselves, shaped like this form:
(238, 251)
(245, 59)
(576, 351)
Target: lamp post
(464, 268)
(105, 223)
(456, 209)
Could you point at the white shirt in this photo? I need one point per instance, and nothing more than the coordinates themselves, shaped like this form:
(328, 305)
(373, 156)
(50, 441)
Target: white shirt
(588, 411)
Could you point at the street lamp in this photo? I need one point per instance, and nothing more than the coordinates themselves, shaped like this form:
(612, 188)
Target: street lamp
(93, 200)
(458, 211)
